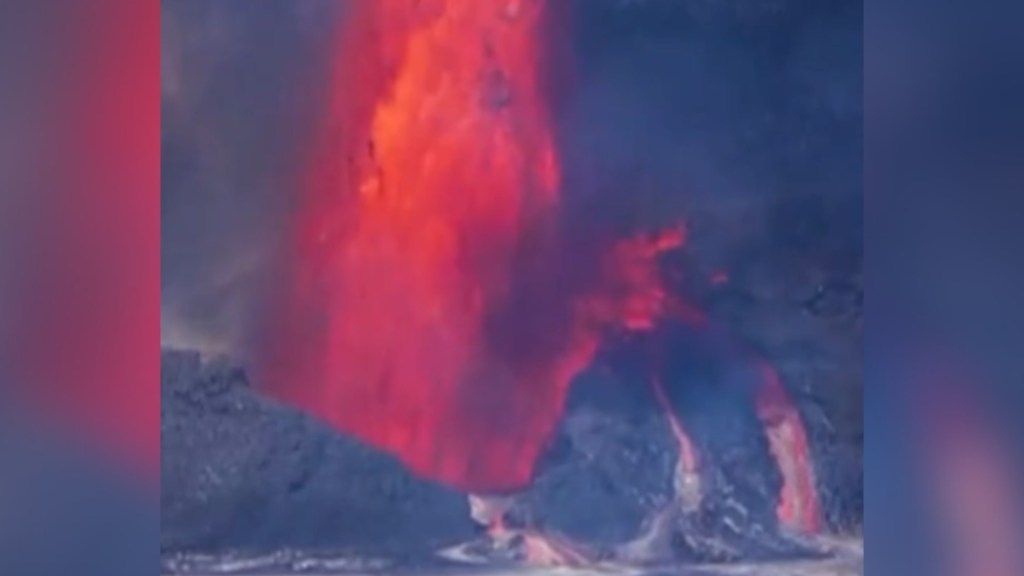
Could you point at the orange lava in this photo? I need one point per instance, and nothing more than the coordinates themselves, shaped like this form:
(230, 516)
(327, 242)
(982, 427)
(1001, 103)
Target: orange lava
(436, 315)
(798, 503)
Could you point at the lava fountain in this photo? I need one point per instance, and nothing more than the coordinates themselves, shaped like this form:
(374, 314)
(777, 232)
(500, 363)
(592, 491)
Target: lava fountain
(447, 331)
(438, 311)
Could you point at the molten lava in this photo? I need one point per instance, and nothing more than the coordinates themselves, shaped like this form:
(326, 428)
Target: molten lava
(798, 503)
(687, 473)
(460, 173)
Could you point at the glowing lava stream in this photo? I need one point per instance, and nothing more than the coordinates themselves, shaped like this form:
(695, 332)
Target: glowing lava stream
(687, 475)
(437, 311)
(798, 503)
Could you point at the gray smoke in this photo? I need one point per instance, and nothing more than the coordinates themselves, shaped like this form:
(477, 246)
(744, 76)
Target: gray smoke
(718, 117)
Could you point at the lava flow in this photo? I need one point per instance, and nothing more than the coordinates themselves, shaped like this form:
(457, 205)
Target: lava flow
(798, 502)
(438, 311)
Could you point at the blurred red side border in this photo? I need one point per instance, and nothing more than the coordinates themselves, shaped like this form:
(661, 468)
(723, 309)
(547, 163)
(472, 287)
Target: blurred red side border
(86, 353)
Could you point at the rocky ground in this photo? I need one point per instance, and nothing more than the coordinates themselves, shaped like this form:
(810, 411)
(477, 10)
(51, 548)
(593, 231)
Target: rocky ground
(240, 472)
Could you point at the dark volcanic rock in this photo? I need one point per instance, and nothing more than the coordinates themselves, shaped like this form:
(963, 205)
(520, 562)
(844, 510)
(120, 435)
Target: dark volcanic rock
(610, 468)
(609, 480)
(242, 472)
